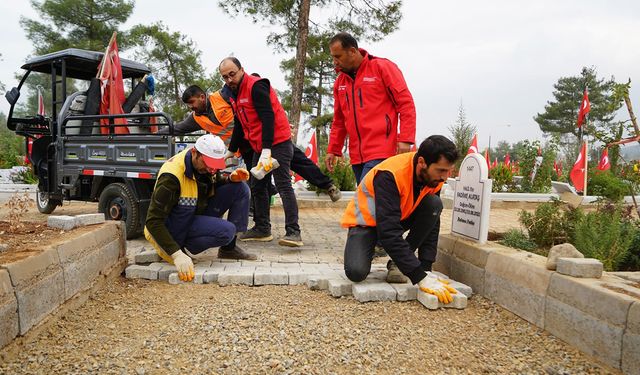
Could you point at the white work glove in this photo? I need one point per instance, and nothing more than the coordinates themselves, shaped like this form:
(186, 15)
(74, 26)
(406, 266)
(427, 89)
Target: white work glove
(432, 284)
(228, 155)
(265, 161)
(184, 264)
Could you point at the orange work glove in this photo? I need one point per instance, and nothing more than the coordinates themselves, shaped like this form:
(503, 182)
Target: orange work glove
(239, 175)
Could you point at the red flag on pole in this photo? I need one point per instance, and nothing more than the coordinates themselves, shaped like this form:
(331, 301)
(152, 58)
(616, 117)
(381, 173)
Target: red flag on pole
(487, 158)
(579, 169)
(311, 152)
(495, 163)
(585, 107)
(507, 160)
(474, 145)
(604, 160)
(112, 88)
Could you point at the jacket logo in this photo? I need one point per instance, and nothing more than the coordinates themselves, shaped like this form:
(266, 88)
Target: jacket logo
(243, 100)
(342, 87)
(369, 79)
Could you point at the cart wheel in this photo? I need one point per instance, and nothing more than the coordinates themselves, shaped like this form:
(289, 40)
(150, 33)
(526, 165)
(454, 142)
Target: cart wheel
(117, 202)
(45, 204)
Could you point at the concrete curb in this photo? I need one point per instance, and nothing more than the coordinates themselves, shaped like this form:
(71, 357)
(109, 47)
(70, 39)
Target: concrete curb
(33, 288)
(600, 317)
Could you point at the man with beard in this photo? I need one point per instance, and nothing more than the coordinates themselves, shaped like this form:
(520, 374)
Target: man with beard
(401, 194)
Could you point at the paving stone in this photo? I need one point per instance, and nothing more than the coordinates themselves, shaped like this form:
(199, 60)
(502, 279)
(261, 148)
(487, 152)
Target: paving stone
(89, 219)
(165, 270)
(580, 267)
(136, 271)
(211, 275)
(405, 292)
(63, 222)
(147, 256)
(235, 278)
(275, 277)
(255, 263)
(318, 282)
(9, 327)
(298, 277)
(199, 272)
(428, 300)
(174, 279)
(201, 263)
(339, 288)
(365, 292)
(462, 288)
(563, 250)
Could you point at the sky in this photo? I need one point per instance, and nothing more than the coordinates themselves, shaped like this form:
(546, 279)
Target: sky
(498, 58)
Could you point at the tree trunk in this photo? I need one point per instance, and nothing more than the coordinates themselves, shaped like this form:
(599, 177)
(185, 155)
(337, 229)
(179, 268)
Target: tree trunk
(298, 75)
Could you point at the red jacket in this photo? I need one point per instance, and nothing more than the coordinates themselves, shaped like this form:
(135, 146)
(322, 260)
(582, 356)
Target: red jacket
(251, 124)
(367, 111)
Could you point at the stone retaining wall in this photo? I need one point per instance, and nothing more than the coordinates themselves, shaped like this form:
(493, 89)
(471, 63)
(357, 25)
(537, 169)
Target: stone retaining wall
(34, 287)
(600, 317)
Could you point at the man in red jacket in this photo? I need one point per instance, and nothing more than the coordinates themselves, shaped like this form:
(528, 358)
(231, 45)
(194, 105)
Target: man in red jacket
(369, 95)
(265, 126)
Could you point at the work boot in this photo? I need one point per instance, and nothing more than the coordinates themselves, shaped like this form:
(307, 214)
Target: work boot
(235, 253)
(334, 193)
(394, 275)
(291, 240)
(255, 234)
(379, 252)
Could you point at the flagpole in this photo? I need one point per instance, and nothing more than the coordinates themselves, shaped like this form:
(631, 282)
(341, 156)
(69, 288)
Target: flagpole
(586, 150)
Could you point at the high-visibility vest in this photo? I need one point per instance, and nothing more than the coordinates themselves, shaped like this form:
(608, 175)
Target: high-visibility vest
(361, 210)
(220, 122)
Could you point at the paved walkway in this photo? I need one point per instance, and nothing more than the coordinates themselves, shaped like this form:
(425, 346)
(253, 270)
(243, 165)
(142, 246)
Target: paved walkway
(323, 236)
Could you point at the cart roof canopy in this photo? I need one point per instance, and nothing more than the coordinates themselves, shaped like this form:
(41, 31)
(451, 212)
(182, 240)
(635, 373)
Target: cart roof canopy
(81, 64)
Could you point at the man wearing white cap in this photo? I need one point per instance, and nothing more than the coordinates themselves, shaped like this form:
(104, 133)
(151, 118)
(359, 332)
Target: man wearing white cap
(187, 204)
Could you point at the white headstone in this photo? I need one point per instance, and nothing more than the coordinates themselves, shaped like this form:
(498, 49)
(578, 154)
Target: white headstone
(472, 199)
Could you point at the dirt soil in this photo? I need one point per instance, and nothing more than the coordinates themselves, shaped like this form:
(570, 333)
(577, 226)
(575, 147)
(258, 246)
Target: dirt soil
(149, 327)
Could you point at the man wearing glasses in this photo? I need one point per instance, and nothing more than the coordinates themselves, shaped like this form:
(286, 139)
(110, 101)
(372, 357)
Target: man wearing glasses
(265, 126)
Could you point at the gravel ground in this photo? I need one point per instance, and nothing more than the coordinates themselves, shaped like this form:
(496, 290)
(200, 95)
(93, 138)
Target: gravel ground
(142, 327)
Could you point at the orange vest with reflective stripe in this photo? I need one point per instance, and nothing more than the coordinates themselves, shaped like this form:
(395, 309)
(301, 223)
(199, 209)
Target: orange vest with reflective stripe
(222, 126)
(361, 210)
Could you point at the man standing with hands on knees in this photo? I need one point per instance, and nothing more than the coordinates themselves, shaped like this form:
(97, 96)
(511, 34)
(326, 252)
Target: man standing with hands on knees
(187, 204)
(398, 195)
(265, 125)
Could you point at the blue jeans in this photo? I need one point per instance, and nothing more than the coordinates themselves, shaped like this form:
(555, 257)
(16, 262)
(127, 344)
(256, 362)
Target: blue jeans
(210, 230)
(361, 170)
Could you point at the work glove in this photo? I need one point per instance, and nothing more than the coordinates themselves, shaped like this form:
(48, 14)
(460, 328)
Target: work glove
(265, 161)
(228, 155)
(432, 284)
(184, 264)
(239, 175)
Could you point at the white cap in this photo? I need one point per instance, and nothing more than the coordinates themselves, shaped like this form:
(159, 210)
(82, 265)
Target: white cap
(212, 149)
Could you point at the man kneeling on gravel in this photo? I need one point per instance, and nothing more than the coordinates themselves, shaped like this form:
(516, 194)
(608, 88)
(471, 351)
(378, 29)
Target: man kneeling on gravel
(401, 194)
(187, 204)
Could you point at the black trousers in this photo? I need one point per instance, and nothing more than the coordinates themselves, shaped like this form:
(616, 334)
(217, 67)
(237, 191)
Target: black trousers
(283, 152)
(423, 226)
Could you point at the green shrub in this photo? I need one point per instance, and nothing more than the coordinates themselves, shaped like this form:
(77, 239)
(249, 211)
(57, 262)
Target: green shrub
(550, 224)
(342, 175)
(632, 261)
(517, 239)
(606, 234)
(10, 149)
(502, 177)
(606, 184)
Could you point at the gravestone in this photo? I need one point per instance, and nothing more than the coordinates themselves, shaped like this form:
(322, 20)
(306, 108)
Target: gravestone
(472, 199)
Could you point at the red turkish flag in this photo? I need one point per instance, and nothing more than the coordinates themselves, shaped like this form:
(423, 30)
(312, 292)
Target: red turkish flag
(112, 88)
(579, 169)
(604, 160)
(507, 160)
(474, 145)
(41, 110)
(311, 152)
(487, 158)
(585, 107)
